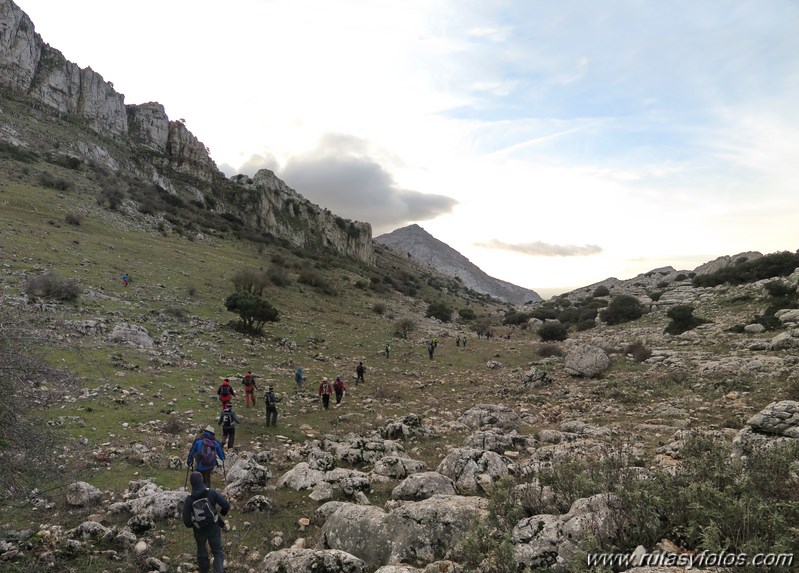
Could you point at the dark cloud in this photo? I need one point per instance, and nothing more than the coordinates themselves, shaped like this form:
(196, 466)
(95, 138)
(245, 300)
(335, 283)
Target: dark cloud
(539, 249)
(342, 175)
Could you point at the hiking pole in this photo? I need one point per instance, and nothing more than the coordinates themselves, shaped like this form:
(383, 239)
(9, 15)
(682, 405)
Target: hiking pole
(224, 471)
(186, 483)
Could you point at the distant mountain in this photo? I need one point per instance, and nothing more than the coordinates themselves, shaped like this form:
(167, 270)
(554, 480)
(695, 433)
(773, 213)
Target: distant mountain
(429, 251)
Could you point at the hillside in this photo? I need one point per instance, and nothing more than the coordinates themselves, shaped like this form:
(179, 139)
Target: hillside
(431, 252)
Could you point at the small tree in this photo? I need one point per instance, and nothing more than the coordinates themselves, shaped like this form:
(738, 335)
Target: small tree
(404, 327)
(601, 290)
(440, 311)
(254, 311)
(466, 313)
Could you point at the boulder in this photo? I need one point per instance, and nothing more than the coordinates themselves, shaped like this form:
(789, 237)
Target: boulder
(586, 361)
(416, 533)
(472, 469)
(131, 334)
(301, 477)
(304, 560)
(423, 485)
(491, 415)
(82, 494)
(244, 474)
(397, 467)
(778, 419)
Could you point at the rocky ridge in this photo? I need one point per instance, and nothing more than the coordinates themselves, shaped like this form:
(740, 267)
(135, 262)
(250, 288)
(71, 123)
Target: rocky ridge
(141, 139)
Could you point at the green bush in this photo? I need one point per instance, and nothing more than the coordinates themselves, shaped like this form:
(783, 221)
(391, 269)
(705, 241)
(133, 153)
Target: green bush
(440, 311)
(379, 308)
(314, 279)
(548, 349)
(51, 286)
(778, 289)
(74, 219)
(601, 290)
(467, 313)
(278, 276)
(250, 280)
(253, 311)
(550, 331)
(51, 181)
(622, 308)
(682, 319)
(403, 327)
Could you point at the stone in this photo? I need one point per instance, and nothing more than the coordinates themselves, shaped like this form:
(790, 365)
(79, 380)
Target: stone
(424, 485)
(586, 361)
(82, 494)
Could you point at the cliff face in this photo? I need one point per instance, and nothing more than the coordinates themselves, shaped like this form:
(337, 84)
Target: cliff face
(429, 251)
(149, 143)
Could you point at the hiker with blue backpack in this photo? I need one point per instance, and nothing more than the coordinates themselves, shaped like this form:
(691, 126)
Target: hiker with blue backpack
(201, 514)
(203, 454)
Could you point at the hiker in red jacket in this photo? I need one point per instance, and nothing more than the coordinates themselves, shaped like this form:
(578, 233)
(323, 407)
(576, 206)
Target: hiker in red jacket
(249, 389)
(225, 393)
(338, 388)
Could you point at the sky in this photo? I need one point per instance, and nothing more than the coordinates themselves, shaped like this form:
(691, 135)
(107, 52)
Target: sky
(553, 143)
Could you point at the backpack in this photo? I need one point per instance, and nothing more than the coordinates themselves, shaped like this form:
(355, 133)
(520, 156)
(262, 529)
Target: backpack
(208, 452)
(248, 381)
(202, 513)
(270, 398)
(224, 390)
(227, 419)
(325, 388)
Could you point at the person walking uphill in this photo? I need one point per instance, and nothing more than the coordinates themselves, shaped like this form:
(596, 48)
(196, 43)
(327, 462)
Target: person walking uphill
(359, 372)
(271, 400)
(203, 454)
(325, 390)
(201, 514)
(249, 389)
(225, 393)
(299, 378)
(228, 420)
(339, 388)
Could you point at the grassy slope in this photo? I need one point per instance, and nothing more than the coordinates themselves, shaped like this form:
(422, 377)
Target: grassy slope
(173, 276)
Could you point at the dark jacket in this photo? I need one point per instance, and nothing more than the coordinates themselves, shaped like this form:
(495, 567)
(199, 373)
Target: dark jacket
(234, 419)
(216, 499)
(197, 450)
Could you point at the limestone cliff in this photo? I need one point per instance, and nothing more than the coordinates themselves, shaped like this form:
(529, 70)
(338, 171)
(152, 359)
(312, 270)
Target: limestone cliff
(141, 138)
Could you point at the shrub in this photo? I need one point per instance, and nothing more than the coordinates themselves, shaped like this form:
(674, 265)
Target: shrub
(466, 313)
(601, 290)
(52, 286)
(778, 289)
(440, 311)
(314, 279)
(547, 350)
(622, 308)
(73, 219)
(51, 181)
(278, 276)
(361, 284)
(550, 331)
(379, 308)
(404, 327)
(544, 313)
(766, 267)
(682, 319)
(177, 312)
(514, 317)
(638, 351)
(250, 280)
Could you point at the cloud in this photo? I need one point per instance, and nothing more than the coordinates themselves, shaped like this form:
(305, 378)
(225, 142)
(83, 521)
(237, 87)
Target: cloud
(539, 249)
(345, 175)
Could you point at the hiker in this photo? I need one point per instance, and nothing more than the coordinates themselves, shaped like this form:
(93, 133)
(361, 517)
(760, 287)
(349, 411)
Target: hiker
(125, 279)
(359, 371)
(228, 420)
(271, 400)
(203, 454)
(388, 349)
(299, 378)
(225, 392)
(325, 390)
(430, 349)
(435, 343)
(339, 389)
(201, 514)
(249, 389)
(458, 341)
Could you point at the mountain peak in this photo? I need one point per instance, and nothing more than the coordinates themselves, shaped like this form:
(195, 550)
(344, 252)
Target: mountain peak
(429, 251)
